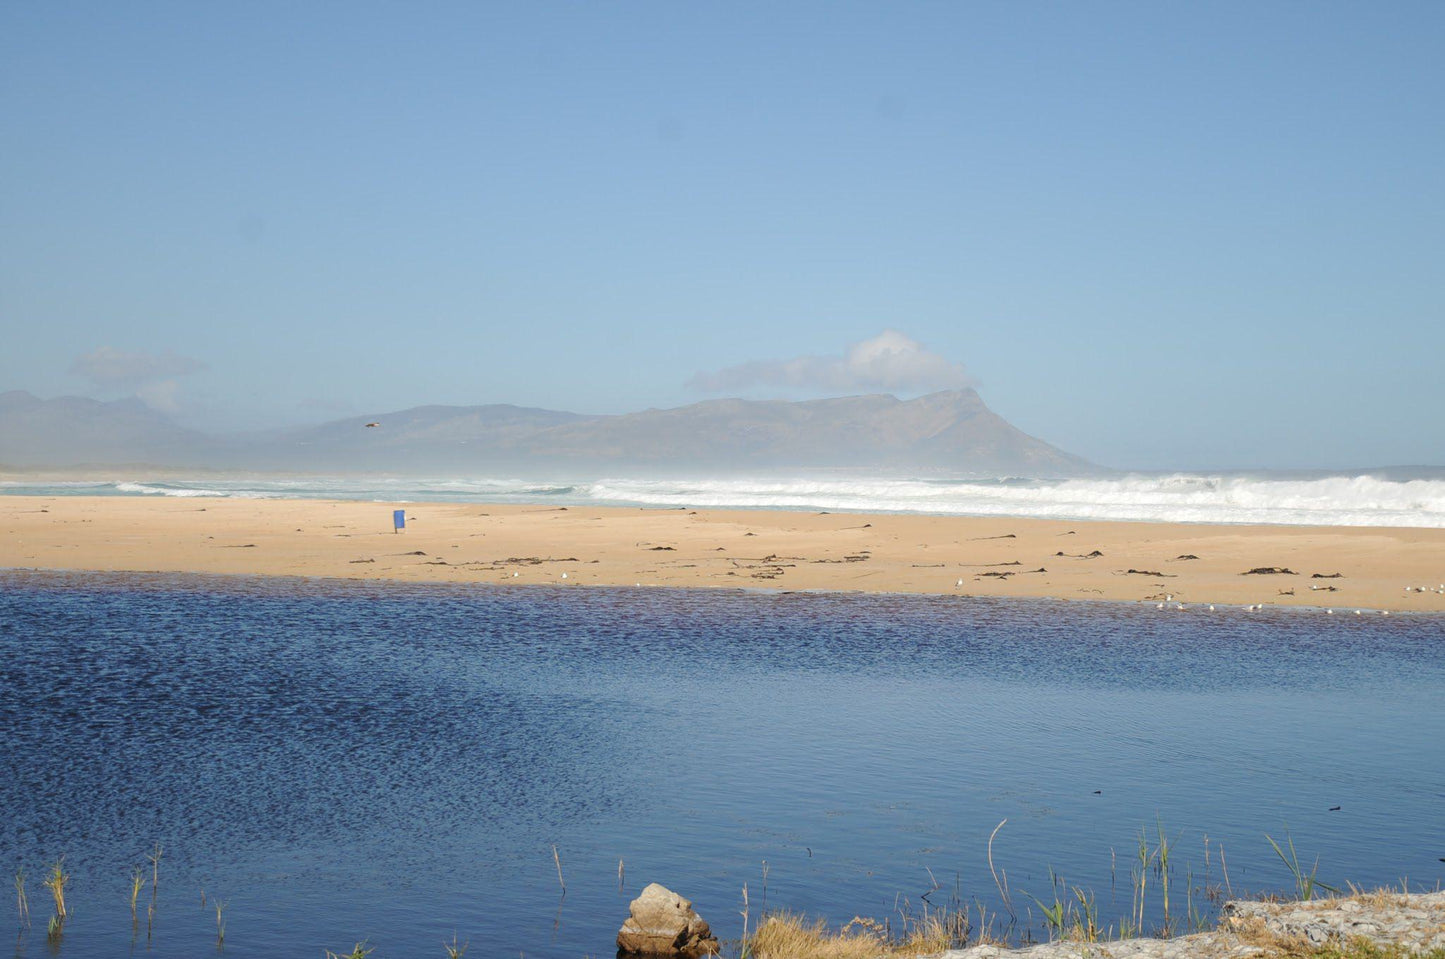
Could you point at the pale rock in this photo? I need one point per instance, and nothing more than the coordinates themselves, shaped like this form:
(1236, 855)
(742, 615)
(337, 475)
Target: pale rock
(662, 923)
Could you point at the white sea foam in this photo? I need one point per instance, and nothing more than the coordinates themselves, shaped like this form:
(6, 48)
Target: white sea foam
(1341, 500)
(149, 489)
(1323, 501)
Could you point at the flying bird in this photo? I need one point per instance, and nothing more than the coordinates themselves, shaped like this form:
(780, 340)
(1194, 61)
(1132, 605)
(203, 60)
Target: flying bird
(371, 425)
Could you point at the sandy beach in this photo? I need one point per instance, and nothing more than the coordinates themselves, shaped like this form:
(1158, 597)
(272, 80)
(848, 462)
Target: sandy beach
(1344, 568)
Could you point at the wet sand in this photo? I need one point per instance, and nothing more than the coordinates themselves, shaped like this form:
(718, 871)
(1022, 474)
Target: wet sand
(592, 546)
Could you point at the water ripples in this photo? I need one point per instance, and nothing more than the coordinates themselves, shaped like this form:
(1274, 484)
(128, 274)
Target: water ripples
(358, 759)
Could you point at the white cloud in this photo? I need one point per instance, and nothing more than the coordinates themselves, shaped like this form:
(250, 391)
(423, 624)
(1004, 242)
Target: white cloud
(149, 376)
(889, 361)
(120, 371)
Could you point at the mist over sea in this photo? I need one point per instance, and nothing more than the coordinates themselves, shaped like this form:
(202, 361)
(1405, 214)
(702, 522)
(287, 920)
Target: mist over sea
(1402, 497)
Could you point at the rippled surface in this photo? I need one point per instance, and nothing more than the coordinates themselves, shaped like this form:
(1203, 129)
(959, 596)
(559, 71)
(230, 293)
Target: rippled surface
(340, 761)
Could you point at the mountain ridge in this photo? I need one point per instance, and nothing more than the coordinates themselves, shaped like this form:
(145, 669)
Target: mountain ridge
(949, 432)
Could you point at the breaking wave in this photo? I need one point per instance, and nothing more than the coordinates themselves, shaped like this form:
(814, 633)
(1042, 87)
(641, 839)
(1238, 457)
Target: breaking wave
(1340, 500)
(1190, 498)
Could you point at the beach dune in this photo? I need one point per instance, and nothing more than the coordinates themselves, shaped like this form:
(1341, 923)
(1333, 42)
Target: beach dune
(1344, 568)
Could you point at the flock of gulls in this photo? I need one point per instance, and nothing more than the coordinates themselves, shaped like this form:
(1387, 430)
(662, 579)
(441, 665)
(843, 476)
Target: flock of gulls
(1256, 607)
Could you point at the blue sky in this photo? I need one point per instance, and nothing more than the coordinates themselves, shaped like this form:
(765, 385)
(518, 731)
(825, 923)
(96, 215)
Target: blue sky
(1158, 235)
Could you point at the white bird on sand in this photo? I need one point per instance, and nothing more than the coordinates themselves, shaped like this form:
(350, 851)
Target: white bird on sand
(564, 575)
(1168, 597)
(1384, 612)
(1357, 612)
(1329, 612)
(958, 584)
(1211, 607)
(515, 575)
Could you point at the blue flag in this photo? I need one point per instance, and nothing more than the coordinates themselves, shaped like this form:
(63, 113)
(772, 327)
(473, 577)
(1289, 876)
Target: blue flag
(398, 520)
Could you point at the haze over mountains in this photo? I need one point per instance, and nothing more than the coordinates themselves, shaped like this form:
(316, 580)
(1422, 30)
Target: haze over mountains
(951, 432)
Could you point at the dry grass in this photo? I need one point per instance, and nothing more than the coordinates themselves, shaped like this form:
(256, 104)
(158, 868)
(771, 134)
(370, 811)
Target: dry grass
(22, 902)
(1356, 948)
(935, 932)
(55, 881)
(1383, 898)
(137, 883)
(1254, 932)
(787, 935)
(359, 951)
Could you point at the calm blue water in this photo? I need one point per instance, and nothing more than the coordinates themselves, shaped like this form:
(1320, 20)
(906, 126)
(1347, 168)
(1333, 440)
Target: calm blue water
(345, 761)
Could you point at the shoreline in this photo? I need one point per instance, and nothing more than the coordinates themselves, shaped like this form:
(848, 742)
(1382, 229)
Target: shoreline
(206, 581)
(1129, 561)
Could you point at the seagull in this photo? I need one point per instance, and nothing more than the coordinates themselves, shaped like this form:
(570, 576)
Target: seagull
(1357, 612)
(372, 425)
(1211, 607)
(1329, 612)
(1160, 606)
(564, 575)
(958, 584)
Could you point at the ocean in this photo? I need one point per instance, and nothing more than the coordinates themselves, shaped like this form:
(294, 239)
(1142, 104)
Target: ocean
(1400, 497)
(333, 762)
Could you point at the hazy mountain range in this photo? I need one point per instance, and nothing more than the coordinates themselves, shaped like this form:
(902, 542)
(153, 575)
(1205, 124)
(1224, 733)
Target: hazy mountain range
(950, 432)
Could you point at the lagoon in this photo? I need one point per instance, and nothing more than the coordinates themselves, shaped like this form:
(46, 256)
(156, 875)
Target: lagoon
(339, 761)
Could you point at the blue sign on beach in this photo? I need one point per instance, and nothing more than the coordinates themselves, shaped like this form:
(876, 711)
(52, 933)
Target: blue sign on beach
(398, 520)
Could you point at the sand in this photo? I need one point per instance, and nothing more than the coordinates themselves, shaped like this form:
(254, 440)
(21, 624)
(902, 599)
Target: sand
(850, 552)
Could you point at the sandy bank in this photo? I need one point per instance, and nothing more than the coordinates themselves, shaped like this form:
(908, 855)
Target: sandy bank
(512, 545)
